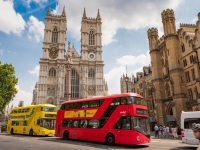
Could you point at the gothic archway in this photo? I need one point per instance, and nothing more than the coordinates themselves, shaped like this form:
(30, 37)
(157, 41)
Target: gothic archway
(49, 100)
(74, 84)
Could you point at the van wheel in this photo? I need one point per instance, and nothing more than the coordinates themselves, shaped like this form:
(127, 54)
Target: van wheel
(66, 135)
(31, 132)
(11, 131)
(110, 139)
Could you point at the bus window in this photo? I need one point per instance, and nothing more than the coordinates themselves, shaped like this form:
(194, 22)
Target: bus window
(84, 104)
(13, 123)
(94, 104)
(83, 124)
(25, 123)
(38, 122)
(49, 109)
(115, 102)
(93, 124)
(123, 100)
(100, 102)
(65, 123)
(75, 124)
(69, 106)
(140, 101)
(19, 111)
(77, 105)
(130, 100)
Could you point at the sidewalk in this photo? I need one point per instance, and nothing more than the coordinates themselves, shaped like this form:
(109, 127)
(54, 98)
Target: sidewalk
(152, 133)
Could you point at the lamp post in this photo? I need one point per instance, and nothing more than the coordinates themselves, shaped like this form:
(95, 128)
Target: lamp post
(126, 80)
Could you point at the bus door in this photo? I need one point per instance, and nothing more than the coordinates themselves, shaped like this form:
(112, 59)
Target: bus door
(123, 127)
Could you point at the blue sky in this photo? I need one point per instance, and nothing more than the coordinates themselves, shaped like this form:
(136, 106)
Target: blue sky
(124, 28)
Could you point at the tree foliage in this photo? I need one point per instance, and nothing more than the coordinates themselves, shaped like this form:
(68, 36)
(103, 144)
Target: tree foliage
(8, 81)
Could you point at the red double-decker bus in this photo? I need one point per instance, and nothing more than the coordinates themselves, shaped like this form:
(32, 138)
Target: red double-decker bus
(114, 119)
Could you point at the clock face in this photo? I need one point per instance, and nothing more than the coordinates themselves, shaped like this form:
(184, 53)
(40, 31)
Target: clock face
(53, 53)
(91, 56)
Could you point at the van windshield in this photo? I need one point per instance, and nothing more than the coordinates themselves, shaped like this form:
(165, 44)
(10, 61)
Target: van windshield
(189, 121)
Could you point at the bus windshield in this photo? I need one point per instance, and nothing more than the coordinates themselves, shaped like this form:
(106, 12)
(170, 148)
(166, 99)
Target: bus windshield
(48, 109)
(140, 124)
(136, 100)
(48, 123)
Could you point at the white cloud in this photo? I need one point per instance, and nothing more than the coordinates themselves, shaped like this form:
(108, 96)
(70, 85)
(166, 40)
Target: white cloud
(1, 51)
(27, 2)
(133, 60)
(35, 71)
(22, 96)
(134, 63)
(130, 15)
(10, 20)
(35, 29)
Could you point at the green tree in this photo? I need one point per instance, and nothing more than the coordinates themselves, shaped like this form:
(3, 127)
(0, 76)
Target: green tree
(8, 81)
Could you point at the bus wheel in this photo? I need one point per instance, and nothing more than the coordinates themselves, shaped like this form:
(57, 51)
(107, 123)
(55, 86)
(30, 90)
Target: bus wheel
(110, 139)
(31, 132)
(66, 135)
(11, 131)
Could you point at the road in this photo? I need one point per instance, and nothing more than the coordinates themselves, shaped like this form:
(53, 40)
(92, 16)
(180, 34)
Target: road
(23, 142)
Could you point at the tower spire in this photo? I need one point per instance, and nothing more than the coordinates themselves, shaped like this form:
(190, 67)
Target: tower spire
(84, 14)
(63, 13)
(49, 11)
(98, 15)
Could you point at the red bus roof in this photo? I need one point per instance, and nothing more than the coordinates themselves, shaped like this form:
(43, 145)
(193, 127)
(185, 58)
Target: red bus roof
(102, 97)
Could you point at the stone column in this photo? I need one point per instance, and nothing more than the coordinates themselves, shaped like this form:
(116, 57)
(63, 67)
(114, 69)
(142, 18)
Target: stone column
(68, 81)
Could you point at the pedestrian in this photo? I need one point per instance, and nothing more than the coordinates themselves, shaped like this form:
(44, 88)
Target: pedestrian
(178, 131)
(167, 131)
(164, 131)
(196, 130)
(156, 130)
(160, 132)
(175, 132)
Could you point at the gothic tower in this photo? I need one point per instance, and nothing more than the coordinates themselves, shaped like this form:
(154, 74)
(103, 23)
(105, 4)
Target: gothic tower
(156, 72)
(176, 71)
(50, 86)
(68, 75)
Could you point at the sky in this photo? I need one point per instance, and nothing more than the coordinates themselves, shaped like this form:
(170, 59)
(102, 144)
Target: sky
(124, 34)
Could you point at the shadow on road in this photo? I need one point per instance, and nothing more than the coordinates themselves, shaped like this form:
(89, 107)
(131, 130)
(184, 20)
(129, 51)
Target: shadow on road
(184, 148)
(93, 144)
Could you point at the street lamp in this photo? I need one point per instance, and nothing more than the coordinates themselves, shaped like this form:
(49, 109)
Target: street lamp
(126, 80)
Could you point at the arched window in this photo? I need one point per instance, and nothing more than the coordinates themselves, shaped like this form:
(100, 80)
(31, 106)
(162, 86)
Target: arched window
(190, 95)
(74, 84)
(196, 92)
(55, 36)
(52, 72)
(91, 73)
(91, 38)
(183, 48)
(167, 88)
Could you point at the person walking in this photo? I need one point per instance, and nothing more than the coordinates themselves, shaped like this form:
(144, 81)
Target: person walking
(164, 131)
(196, 131)
(178, 131)
(175, 132)
(156, 130)
(167, 131)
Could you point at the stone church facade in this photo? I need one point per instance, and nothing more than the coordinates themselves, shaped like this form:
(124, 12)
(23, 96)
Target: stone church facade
(171, 84)
(64, 74)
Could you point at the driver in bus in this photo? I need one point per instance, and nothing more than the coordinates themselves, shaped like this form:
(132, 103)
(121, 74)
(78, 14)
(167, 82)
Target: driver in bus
(196, 130)
(128, 125)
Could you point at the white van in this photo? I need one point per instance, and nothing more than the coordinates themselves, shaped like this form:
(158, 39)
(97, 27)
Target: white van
(187, 119)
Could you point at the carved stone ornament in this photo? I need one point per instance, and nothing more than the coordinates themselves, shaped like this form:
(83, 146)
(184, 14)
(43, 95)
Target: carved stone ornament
(91, 90)
(53, 52)
(50, 90)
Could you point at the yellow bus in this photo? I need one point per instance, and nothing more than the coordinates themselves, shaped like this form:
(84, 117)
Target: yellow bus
(32, 120)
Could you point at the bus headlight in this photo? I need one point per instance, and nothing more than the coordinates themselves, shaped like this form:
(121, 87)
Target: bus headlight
(138, 138)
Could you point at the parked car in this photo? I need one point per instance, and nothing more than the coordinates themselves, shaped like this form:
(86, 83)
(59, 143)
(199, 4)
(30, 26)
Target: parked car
(3, 128)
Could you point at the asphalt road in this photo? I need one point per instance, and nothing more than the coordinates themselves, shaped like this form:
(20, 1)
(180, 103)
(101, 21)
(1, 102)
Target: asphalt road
(23, 142)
